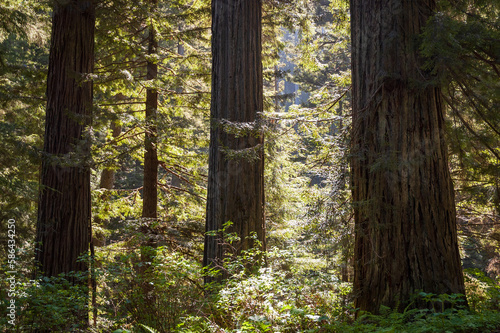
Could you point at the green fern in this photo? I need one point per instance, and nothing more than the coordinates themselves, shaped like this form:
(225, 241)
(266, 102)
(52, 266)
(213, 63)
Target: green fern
(149, 329)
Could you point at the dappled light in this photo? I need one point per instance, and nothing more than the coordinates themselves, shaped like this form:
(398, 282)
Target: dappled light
(250, 166)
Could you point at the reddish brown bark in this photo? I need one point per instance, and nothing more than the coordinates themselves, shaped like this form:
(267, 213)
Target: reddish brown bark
(63, 225)
(235, 184)
(406, 238)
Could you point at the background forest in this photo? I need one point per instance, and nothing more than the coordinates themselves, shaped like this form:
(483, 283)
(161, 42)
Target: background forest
(146, 250)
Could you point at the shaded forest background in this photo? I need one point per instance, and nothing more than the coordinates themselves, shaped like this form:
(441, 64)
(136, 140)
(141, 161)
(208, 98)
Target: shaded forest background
(147, 272)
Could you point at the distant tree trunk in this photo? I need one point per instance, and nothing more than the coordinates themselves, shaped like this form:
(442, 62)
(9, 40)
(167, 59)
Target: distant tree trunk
(176, 181)
(406, 238)
(346, 237)
(107, 180)
(150, 180)
(150, 190)
(64, 201)
(235, 183)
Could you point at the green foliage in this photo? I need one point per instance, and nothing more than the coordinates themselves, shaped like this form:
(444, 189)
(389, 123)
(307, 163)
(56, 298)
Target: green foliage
(460, 45)
(148, 329)
(275, 300)
(173, 282)
(290, 300)
(483, 293)
(420, 321)
(321, 126)
(23, 70)
(235, 262)
(182, 85)
(49, 303)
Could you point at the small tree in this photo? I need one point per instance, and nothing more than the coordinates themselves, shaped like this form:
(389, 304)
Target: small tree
(150, 202)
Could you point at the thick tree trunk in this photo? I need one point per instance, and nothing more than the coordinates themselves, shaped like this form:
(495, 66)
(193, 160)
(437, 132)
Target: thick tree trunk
(64, 211)
(406, 238)
(235, 183)
(64, 202)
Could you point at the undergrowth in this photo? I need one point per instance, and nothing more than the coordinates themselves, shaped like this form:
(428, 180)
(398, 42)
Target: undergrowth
(278, 297)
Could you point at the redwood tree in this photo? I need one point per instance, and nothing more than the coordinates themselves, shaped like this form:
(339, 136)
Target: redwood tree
(406, 238)
(63, 225)
(236, 161)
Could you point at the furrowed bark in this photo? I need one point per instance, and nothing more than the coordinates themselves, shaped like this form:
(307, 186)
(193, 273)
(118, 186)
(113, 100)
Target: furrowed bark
(64, 201)
(235, 184)
(406, 238)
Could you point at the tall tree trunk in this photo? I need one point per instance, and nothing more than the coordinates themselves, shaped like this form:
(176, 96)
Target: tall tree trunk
(346, 254)
(64, 211)
(150, 183)
(235, 183)
(64, 201)
(406, 238)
